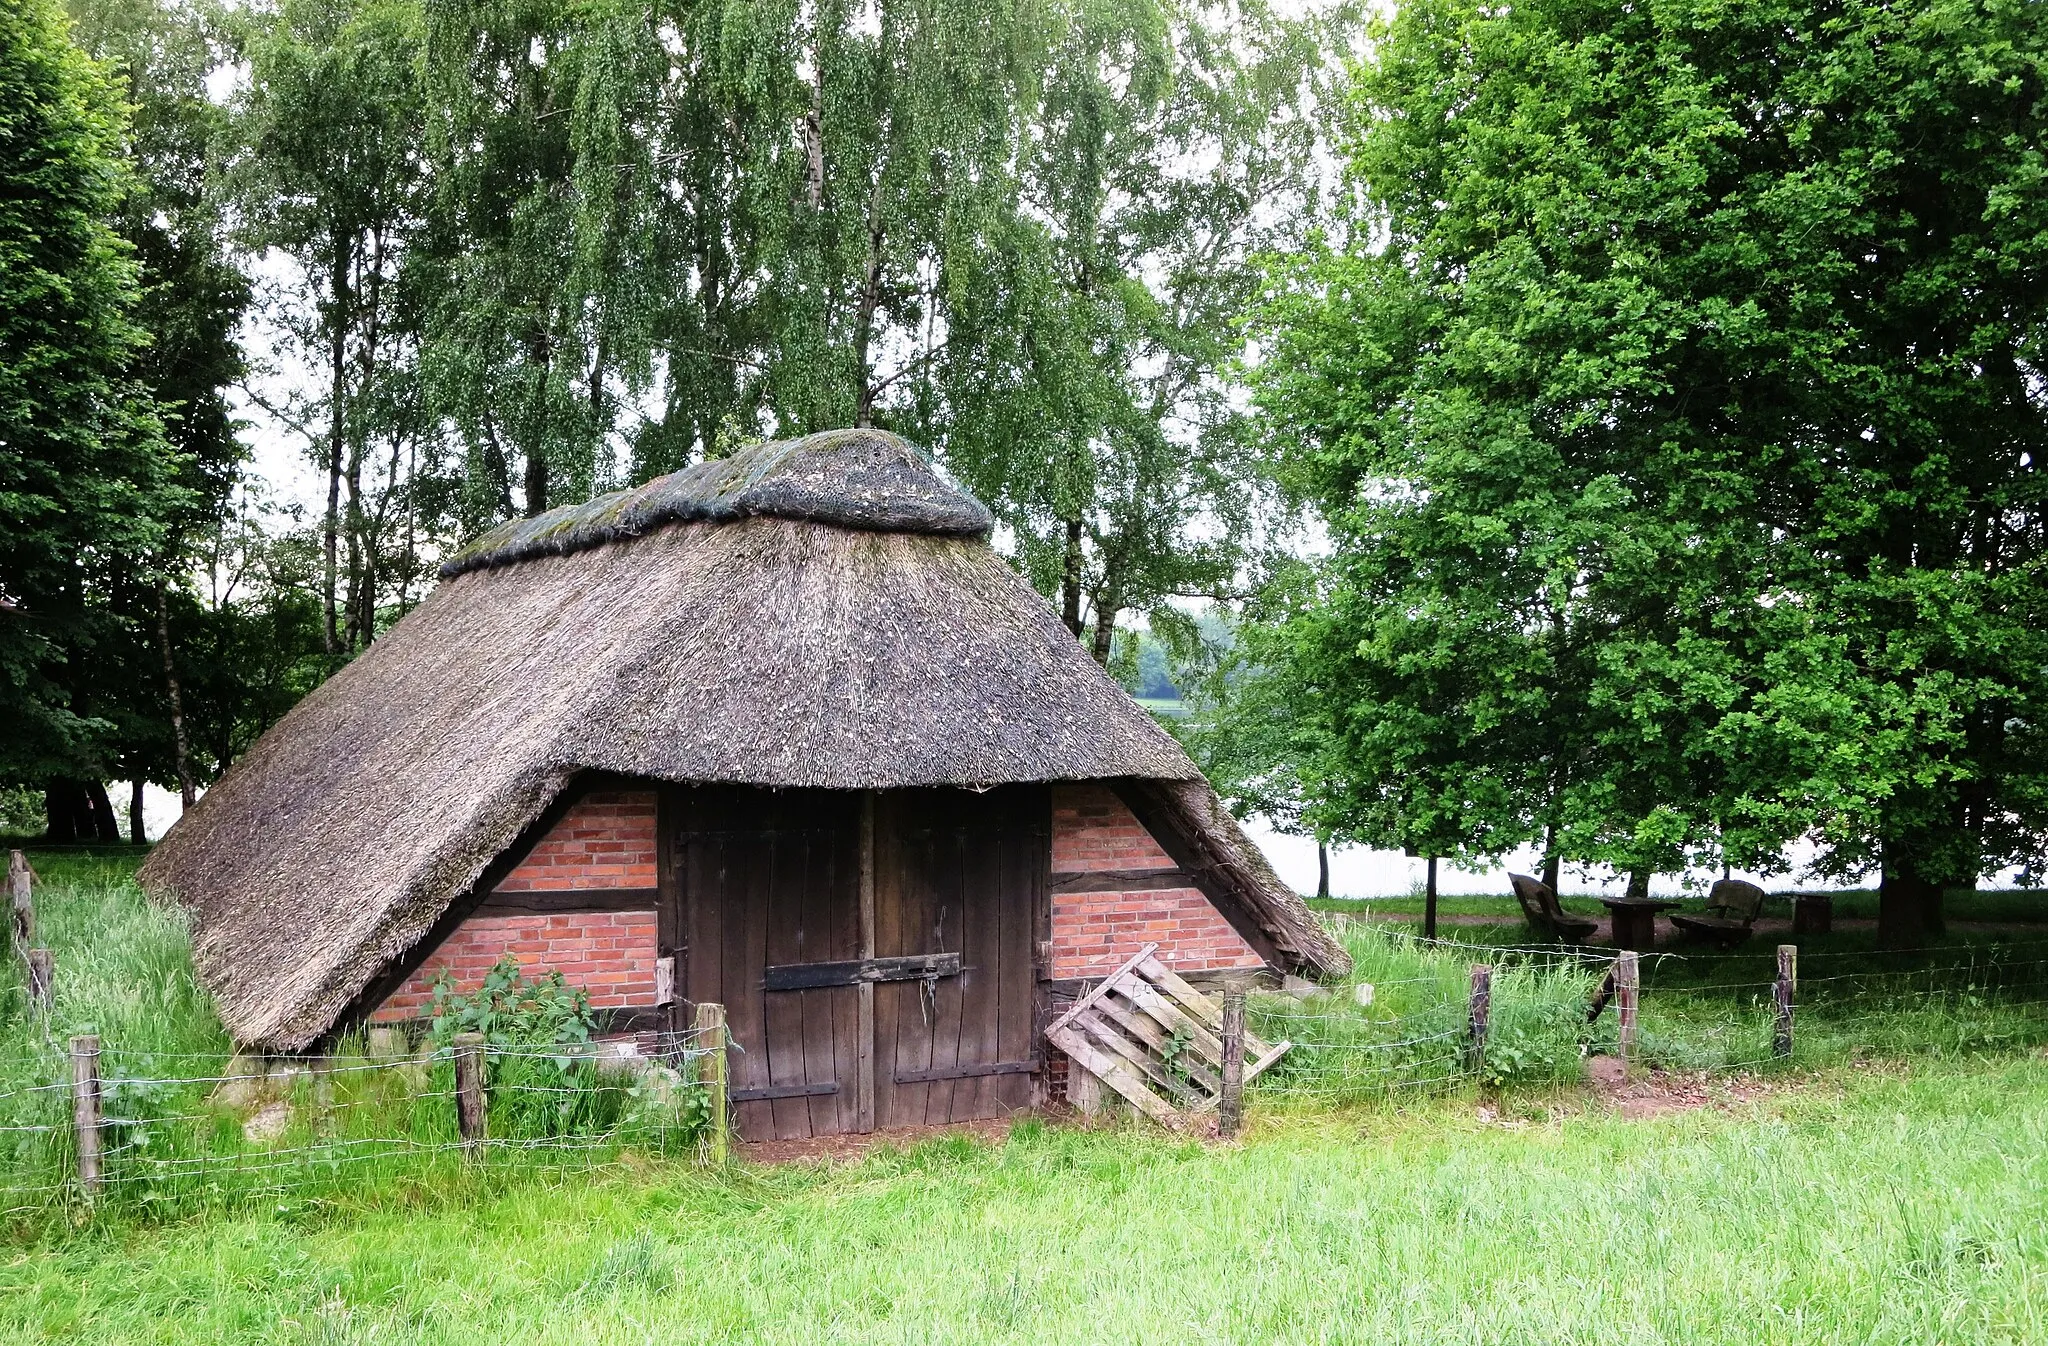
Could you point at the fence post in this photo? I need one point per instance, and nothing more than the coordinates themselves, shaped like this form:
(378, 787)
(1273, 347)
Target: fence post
(1788, 981)
(85, 1110)
(1230, 1102)
(469, 1089)
(1627, 982)
(42, 981)
(1480, 1010)
(711, 1074)
(22, 905)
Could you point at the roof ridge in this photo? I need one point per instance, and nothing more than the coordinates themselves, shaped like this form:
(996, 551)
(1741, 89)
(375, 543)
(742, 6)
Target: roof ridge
(860, 478)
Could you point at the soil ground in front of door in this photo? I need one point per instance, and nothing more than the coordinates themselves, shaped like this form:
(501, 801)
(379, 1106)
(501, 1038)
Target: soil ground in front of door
(848, 1146)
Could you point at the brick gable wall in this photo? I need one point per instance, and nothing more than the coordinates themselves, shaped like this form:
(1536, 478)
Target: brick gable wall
(1093, 932)
(604, 843)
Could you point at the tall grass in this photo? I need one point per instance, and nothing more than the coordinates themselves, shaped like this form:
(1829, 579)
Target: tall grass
(1411, 1035)
(180, 1141)
(190, 1125)
(1879, 1207)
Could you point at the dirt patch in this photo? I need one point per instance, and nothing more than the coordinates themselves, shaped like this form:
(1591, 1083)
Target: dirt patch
(1660, 1093)
(834, 1149)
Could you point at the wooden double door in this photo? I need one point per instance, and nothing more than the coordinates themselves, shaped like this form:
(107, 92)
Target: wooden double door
(874, 950)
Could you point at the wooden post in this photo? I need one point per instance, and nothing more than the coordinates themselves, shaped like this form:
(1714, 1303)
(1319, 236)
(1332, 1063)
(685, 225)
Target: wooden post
(23, 906)
(1230, 1102)
(469, 1089)
(1627, 982)
(1429, 903)
(711, 1074)
(1788, 981)
(864, 1048)
(42, 981)
(85, 1109)
(1480, 1012)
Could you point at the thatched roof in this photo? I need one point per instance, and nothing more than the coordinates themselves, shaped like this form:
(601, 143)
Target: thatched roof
(854, 478)
(767, 650)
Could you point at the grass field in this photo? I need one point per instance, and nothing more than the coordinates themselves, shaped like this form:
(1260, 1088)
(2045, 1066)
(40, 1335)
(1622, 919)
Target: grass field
(1887, 1185)
(1870, 1206)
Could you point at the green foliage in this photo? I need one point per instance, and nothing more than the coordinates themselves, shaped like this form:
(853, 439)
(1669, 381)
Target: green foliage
(21, 811)
(1673, 413)
(1082, 388)
(511, 1009)
(1923, 1190)
(545, 1075)
(86, 477)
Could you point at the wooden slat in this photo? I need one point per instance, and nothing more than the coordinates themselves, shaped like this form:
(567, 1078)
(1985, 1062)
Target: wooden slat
(864, 1064)
(1258, 1067)
(972, 1070)
(1160, 975)
(1104, 1031)
(772, 1092)
(570, 899)
(1101, 988)
(1121, 880)
(1209, 1011)
(782, 858)
(853, 971)
(1026, 857)
(981, 898)
(1160, 1006)
(1153, 1034)
(1114, 1072)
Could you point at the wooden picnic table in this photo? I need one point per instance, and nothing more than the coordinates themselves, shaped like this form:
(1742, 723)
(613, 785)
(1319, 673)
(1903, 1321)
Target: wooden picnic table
(1635, 920)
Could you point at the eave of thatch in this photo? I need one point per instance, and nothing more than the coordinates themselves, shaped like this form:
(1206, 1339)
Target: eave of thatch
(768, 651)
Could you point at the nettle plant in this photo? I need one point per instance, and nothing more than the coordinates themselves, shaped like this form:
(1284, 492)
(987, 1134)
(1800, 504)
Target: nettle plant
(543, 1072)
(511, 1009)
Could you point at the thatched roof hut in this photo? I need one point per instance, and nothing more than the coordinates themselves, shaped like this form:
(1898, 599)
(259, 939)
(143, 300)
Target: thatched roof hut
(818, 614)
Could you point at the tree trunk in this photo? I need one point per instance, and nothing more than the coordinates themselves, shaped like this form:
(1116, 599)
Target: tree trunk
(1105, 632)
(540, 356)
(1070, 580)
(187, 792)
(337, 349)
(870, 301)
(1322, 869)
(536, 482)
(136, 835)
(1639, 883)
(355, 632)
(1429, 902)
(69, 814)
(104, 828)
(1552, 861)
(1908, 905)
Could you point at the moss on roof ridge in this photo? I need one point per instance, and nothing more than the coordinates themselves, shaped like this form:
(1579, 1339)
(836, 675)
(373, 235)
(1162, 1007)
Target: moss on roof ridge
(865, 479)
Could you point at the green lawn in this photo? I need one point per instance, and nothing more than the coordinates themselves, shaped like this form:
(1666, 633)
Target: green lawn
(1888, 1185)
(1880, 1206)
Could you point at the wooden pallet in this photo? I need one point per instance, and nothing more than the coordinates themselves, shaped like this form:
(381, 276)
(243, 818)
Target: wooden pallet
(1152, 1039)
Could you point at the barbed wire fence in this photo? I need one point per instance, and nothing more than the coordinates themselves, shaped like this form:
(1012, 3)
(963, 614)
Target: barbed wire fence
(1530, 1013)
(166, 1131)
(320, 1126)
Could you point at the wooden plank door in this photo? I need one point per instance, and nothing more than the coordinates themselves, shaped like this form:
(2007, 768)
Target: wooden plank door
(958, 871)
(769, 878)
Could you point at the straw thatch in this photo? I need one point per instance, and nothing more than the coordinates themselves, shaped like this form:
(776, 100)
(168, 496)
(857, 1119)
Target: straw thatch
(768, 650)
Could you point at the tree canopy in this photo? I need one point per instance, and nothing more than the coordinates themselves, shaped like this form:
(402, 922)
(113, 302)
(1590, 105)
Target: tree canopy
(88, 478)
(1675, 411)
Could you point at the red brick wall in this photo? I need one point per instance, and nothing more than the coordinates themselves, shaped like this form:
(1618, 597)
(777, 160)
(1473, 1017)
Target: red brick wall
(1092, 832)
(604, 843)
(610, 954)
